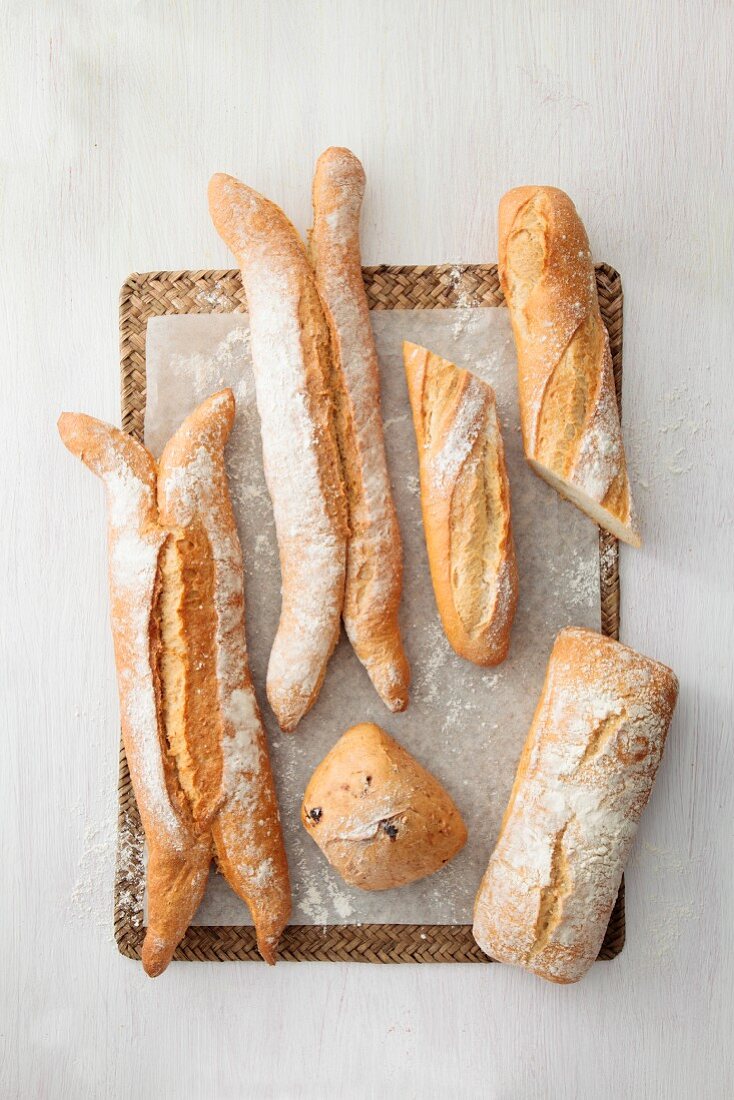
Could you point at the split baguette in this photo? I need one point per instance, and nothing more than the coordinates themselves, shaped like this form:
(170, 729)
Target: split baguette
(584, 778)
(293, 365)
(374, 552)
(568, 406)
(193, 738)
(193, 493)
(465, 498)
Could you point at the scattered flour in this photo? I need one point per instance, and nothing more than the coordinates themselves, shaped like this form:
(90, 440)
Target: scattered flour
(466, 318)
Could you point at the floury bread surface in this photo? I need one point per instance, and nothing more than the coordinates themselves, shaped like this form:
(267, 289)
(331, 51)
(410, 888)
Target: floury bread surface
(465, 500)
(194, 740)
(294, 367)
(570, 419)
(584, 778)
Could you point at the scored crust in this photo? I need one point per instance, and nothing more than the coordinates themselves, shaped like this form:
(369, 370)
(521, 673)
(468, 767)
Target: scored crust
(465, 499)
(293, 366)
(374, 552)
(570, 419)
(583, 781)
(193, 738)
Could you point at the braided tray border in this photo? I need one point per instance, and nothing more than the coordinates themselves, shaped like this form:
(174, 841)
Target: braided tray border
(443, 286)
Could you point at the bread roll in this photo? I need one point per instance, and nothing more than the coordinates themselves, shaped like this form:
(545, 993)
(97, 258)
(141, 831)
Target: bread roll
(584, 778)
(465, 497)
(568, 405)
(380, 818)
(294, 367)
(193, 739)
(374, 552)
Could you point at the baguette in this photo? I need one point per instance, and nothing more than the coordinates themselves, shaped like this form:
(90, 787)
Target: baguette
(194, 743)
(293, 365)
(465, 498)
(584, 778)
(374, 552)
(378, 816)
(193, 496)
(568, 405)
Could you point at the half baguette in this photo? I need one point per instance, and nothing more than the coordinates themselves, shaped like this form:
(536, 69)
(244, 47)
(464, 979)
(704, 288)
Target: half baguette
(568, 405)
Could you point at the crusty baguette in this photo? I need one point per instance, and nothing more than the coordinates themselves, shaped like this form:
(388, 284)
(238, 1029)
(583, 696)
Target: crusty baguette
(374, 552)
(584, 778)
(568, 406)
(293, 365)
(179, 853)
(193, 497)
(465, 498)
(198, 761)
(378, 816)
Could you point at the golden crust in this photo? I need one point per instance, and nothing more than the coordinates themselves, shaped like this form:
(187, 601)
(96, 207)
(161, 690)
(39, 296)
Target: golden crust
(584, 779)
(378, 816)
(374, 552)
(570, 420)
(465, 498)
(193, 736)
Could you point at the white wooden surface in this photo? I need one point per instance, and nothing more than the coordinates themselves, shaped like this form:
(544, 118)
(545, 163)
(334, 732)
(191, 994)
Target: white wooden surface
(114, 116)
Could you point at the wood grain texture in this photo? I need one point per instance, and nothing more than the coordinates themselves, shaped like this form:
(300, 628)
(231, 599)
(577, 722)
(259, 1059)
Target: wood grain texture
(113, 118)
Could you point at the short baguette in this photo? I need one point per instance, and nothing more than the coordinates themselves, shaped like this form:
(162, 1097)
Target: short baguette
(194, 743)
(374, 552)
(584, 778)
(568, 406)
(293, 364)
(465, 498)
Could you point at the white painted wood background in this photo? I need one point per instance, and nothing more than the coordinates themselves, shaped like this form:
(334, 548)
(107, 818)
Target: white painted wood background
(113, 117)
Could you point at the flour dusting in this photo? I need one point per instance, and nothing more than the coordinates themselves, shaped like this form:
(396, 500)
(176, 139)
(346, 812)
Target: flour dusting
(466, 724)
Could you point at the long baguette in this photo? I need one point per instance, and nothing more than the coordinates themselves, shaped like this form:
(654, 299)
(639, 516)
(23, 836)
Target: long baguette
(465, 498)
(193, 497)
(197, 756)
(374, 552)
(584, 778)
(570, 419)
(293, 364)
(179, 851)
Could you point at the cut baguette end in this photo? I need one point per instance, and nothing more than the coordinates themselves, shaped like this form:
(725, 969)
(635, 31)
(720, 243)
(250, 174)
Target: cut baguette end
(625, 532)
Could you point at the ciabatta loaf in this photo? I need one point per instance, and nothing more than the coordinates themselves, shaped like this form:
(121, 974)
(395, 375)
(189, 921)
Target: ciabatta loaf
(465, 498)
(568, 406)
(374, 552)
(194, 741)
(378, 816)
(584, 778)
(294, 366)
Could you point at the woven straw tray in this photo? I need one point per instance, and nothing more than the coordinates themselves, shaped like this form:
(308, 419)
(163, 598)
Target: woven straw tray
(153, 294)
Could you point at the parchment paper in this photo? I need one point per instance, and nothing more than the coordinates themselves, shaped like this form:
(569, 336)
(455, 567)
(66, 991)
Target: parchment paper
(466, 724)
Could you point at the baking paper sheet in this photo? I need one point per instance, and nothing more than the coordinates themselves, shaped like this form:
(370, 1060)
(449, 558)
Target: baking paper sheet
(466, 724)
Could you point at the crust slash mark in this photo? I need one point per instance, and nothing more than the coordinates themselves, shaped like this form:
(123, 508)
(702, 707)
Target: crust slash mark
(552, 896)
(601, 736)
